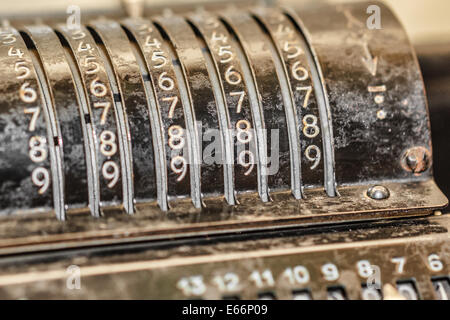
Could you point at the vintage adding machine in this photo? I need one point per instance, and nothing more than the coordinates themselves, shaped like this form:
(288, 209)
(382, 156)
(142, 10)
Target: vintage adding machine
(221, 150)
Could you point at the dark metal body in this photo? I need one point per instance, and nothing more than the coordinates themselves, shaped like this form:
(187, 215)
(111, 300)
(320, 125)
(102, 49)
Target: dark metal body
(332, 113)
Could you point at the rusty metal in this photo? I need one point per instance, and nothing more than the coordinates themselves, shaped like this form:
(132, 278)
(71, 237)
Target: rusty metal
(416, 160)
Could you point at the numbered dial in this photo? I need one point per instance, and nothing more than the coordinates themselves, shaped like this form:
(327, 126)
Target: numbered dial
(223, 49)
(25, 130)
(215, 172)
(73, 132)
(292, 49)
(176, 138)
(278, 135)
(101, 114)
(132, 101)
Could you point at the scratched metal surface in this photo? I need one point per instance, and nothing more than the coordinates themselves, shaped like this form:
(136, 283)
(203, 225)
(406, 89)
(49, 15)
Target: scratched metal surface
(71, 137)
(95, 71)
(139, 131)
(154, 271)
(16, 188)
(372, 130)
(214, 179)
(36, 233)
(371, 134)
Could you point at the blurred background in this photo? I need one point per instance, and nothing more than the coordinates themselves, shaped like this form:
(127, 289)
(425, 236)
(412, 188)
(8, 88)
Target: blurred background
(425, 20)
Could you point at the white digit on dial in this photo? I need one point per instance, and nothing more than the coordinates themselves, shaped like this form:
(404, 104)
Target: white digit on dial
(399, 264)
(92, 65)
(219, 37)
(35, 111)
(84, 47)
(10, 37)
(294, 53)
(225, 51)
(263, 279)
(297, 275)
(435, 263)
(105, 106)
(179, 166)
(315, 157)
(310, 129)
(15, 52)
(364, 268)
(241, 95)
(145, 29)
(244, 135)
(38, 150)
(233, 77)
(41, 179)
(108, 146)
(98, 89)
(299, 72)
(249, 165)
(150, 43)
(159, 56)
(27, 94)
(308, 90)
(78, 35)
(110, 171)
(174, 102)
(229, 282)
(330, 272)
(165, 83)
(192, 286)
(21, 67)
(176, 137)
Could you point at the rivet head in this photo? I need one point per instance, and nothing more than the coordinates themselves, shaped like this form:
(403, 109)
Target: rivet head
(378, 193)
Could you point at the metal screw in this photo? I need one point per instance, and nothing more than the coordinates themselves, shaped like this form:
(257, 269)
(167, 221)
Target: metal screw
(416, 160)
(378, 193)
